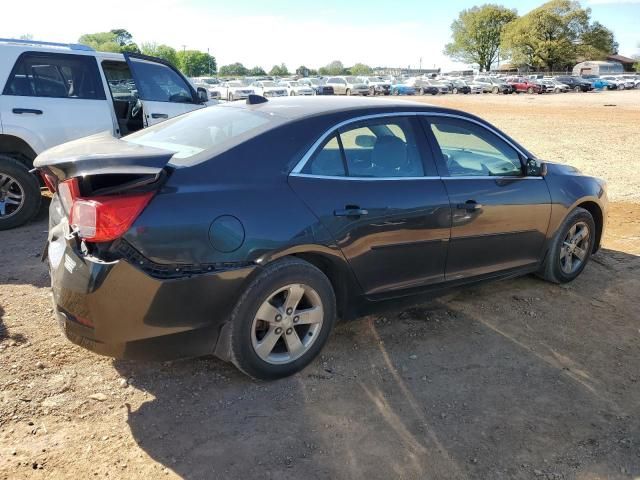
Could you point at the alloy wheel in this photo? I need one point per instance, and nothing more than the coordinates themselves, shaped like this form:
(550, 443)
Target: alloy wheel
(11, 196)
(575, 247)
(287, 324)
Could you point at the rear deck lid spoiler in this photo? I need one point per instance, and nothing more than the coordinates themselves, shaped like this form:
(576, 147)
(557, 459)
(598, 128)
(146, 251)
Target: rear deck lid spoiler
(102, 154)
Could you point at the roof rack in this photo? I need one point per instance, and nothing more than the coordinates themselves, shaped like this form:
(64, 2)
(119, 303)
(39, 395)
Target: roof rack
(72, 46)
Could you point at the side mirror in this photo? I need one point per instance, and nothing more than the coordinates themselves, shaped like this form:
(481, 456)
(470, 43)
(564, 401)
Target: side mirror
(536, 168)
(203, 95)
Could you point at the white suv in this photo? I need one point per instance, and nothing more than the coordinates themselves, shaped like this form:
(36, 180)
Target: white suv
(51, 93)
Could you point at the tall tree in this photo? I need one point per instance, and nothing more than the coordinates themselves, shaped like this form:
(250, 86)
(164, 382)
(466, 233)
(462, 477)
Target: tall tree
(164, 52)
(257, 72)
(477, 33)
(195, 63)
(555, 34)
(334, 68)
(360, 69)
(233, 70)
(118, 41)
(302, 71)
(279, 70)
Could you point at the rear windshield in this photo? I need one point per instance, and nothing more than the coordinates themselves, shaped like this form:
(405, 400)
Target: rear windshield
(199, 135)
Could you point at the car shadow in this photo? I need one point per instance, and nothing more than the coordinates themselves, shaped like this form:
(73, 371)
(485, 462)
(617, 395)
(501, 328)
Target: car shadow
(511, 379)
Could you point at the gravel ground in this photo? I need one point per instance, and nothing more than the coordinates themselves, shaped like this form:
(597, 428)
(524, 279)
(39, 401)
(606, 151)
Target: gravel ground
(517, 379)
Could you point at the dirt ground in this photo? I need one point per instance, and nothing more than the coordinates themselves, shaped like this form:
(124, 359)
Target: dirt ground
(517, 379)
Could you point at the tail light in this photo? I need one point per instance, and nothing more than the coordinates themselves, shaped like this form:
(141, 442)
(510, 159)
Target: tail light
(101, 218)
(49, 180)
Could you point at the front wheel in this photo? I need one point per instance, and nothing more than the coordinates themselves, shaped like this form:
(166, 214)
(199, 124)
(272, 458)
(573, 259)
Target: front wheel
(283, 320)
(455, 91)
(495, 90)
(577, 89)
(348, 92)
(530, 90)
(372, 91)
(571, 248)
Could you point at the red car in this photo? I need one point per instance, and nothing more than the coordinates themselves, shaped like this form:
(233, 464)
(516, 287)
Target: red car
(524, 85)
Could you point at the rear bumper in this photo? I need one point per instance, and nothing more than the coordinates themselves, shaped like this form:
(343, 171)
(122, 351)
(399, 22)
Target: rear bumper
(116, 309)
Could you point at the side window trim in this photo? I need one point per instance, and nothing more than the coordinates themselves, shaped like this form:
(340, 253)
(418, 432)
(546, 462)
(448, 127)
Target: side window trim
(86, 58)
(299, 166)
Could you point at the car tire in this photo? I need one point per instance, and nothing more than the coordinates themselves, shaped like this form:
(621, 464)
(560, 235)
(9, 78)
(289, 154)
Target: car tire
(231, 97)
(621, 87)
(269, 292)
(554, 269)
(577, 89)
(292, 94)
(15, 180)
(530, 90)
(372, 91)
(455, 91)
(495, 90)
(348, 92)
(421, 91)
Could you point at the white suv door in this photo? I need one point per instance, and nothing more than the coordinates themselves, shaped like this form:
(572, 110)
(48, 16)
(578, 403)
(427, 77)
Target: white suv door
(163, 91)
(52, 98)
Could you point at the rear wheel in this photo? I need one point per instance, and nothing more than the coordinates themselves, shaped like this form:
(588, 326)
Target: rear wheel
(230, 97)
(293, 93)
(348, 92)
(19, 193)
(283, 320)
(372, 91)
(577, 89)
(530, 90)
(495, 90)
(571, 247)
(455, 91)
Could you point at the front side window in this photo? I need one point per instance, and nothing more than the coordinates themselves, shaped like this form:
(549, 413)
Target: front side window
(55, 76)
(472, 150)
(159, 83)
(381, 148)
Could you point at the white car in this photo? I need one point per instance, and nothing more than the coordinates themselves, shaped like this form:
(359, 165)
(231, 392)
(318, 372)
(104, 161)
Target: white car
(52, 93)
(233, 90)
(627, 80)
(476, 87)
(619, 83)
(267, 88)
(296, 88)
(555, 86)
(209, 84)
(347, 85)
(377, 85)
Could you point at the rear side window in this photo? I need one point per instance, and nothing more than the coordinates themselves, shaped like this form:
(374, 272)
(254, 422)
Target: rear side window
(379, 148)
(55, 75)
(159, 83)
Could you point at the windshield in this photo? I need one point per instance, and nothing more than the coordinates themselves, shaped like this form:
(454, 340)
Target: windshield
(352, 80)
(211, 130)
(268, 84)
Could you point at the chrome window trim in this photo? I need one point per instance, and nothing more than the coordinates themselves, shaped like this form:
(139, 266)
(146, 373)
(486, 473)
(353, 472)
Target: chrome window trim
(376, 179)
(307, 156)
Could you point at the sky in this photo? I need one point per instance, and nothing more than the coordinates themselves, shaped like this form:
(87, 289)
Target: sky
(297, 32)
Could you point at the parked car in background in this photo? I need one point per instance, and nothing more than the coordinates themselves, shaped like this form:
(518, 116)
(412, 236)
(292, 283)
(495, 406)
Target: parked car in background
(377, 86)
(421, 86)
(234, 90)
(51, 93)
(347, 85)
(459, 86)
(402, 89)
(600, 83)
(442, 87)
(319, 86)
(576, 84)
(476, 88)
(188, 255)
(525, 85)
(269, 88)
(296, 88)
(634, 78)
(493, 84)
(555, 86)
(209, 84)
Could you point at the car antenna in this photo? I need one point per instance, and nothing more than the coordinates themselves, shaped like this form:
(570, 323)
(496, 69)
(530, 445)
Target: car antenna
(256, 99)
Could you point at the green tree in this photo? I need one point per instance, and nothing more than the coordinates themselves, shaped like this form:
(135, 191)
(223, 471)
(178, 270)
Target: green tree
(554, 35)
(233, 70)
(257, 72)
(302, 71)
(279, 70)
(195, 63)
(596, 42)
(101, 41)
(118, 41)
(360, 69)
(334, 68)
(165, 52)
(477, 33)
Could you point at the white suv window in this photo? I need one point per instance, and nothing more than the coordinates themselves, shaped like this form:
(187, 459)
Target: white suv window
(55, 75)
(159, 83)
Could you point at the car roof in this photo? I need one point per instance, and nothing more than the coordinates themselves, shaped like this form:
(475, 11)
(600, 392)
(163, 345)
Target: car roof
(299, 107)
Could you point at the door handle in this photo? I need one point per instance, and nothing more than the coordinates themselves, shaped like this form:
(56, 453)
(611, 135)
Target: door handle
(351, 211)
(159, 115)
(469, 205)
(20, 111)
